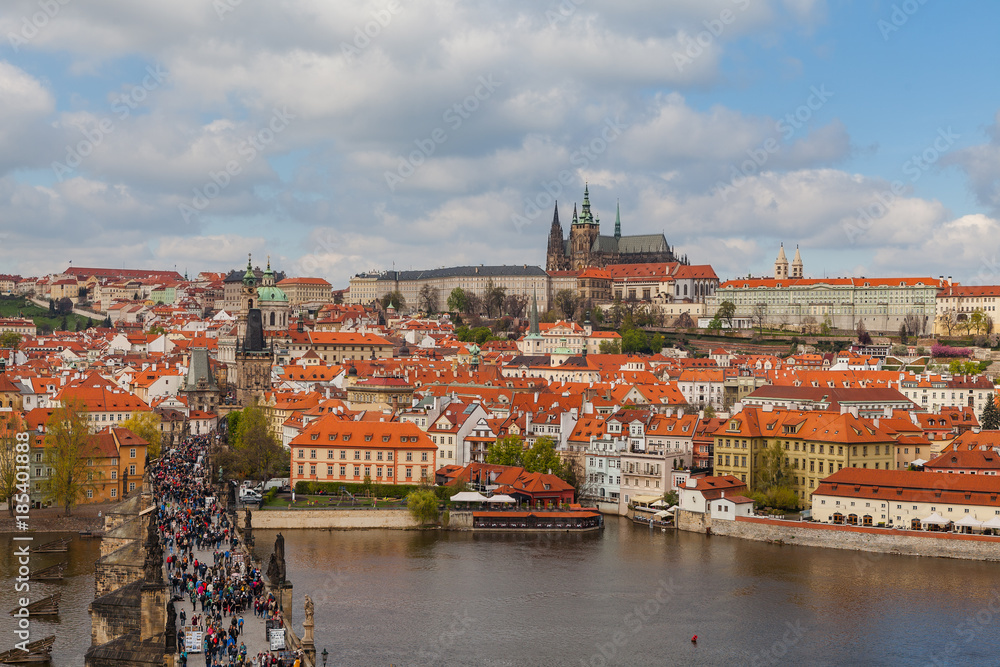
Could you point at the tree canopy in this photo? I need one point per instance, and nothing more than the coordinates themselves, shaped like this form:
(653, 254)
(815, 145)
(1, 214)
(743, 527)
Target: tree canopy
(67, 449)
(146, 425)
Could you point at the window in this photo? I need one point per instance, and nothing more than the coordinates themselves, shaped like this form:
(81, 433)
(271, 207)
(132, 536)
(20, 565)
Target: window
(302, 453)
(131, 453)
(357, 455)
(131, 470)
(301, 470)
(388, 473)
(90, 493)
(131, 486)
(343, 470)
(329, 453)
(114, 474)
(329, 471)
(312, 453)
(343, 454)
(409, 456)
(423, 456)
(388, 457)
(357, 471)
(409, 473)
(114, 492)
(312, 470)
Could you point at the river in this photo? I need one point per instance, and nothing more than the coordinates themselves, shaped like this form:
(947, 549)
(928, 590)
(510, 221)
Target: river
(625, 596)
(632, 596)
(72, 626)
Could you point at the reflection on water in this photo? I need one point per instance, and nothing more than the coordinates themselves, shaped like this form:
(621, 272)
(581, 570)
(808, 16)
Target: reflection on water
(72, 626)
(631, 596)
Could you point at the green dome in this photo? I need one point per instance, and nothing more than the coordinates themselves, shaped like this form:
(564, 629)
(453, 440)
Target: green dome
(271, 293)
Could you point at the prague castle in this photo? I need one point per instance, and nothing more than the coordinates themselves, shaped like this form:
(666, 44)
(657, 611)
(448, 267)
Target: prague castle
(586, 246)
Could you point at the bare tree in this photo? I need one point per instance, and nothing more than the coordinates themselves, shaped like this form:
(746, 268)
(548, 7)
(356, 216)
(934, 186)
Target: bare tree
(515, 305)
(566, 301)
(758, 316)
(915, 324)
(493, 298)
(427, 299)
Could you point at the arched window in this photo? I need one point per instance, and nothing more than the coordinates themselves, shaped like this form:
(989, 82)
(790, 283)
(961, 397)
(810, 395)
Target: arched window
(272, 318)
(250, 304)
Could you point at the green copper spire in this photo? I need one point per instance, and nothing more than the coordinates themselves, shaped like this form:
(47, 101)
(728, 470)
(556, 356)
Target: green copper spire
(586, 218)
(249, 278)
(618, 220)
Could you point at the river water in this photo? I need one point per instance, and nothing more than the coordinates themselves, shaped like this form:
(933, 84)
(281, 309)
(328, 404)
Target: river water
(72, 626)
(625, 596)
(632, 596)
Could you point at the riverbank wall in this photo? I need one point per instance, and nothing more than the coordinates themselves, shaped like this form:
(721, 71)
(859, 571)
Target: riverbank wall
(393, 519)
(851, 538)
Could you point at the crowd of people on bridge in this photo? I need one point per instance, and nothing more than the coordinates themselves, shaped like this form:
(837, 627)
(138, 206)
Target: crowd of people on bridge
(220, 583)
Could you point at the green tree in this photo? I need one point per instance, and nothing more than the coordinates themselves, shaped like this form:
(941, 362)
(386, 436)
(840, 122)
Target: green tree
(542, 457)
(11, 425)
(52, 307)
(709, 411)
(774, 470)
(10, 340)
(726, 313)
(423, 506)
(146, 425)
(715, 325)
(68, 448)
(634, 341)
(257, 452)
(610, 347)
(395, 298)
(458, 300)
(656, 343)
(506, 451)
(107, 323)
(990, 419)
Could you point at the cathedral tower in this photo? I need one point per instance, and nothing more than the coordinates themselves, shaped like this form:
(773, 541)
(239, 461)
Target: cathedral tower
(781, 265)
(797, 263)
(555, 257)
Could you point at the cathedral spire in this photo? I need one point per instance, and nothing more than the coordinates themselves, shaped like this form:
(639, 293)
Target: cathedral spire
(618, 220)
(555, 257)
(533, 329)
(574, 213)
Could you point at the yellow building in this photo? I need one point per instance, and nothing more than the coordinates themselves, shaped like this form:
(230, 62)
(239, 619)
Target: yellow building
(816, 444)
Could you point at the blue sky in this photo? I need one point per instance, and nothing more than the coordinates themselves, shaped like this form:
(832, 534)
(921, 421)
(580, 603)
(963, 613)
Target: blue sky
(213, 129)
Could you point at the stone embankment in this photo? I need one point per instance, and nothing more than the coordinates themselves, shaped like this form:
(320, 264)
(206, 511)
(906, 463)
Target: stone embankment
(852, 538)
(395, 519)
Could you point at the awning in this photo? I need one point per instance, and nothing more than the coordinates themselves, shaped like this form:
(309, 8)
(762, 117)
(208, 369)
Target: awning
(663, 513)
(645, 500)
(969, 521)
(935, 519)
(469, 497)
(994, 522)
(659, 503)
(500, 498)
(917, 462)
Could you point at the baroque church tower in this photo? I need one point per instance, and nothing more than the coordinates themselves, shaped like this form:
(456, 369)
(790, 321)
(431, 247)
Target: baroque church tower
(253, 358)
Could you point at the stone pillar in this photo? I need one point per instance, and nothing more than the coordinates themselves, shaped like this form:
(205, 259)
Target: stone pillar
(283, 594)
(153, 610)
(308, 644)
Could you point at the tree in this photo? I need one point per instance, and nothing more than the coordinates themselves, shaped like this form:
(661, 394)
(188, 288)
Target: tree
(633, 341)
(915, 324)
(473, 303)
(10, 340)
(566, 302)
(52, 307)
(256, 451)
(423, 506)
(515, 305)
(506, 451)
(656, 343)
(11, 425)
(977, 321)
(427, 299)
(64, 306)
(610, 347)
(68, 447)
(990, 419)
(758, 316)
(146, 425)
(395, 298)
(864, 338)
(542, 457)
(709, 411)
(715, 325)
(726, 313)
(903, 335)
(107, 323)
(773, 470)
(64, 324)
(493, 298)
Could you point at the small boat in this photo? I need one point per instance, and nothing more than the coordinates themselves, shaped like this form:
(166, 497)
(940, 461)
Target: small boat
(49, 573)
(55, 546)
(88, 534)
(35, 653)
(45, 607)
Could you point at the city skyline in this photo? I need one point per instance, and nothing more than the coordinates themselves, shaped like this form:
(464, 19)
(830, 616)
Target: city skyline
(344, 138)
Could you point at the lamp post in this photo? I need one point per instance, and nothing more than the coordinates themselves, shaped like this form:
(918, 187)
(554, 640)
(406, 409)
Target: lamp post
(325, 653)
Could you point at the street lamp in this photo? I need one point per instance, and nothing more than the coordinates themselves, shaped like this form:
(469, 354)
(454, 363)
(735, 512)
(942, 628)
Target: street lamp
(325, 653)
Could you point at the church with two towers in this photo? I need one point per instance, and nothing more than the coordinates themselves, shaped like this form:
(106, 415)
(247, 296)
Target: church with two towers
(587, 247)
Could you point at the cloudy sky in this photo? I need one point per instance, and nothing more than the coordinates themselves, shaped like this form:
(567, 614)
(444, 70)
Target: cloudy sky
(346, 136)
